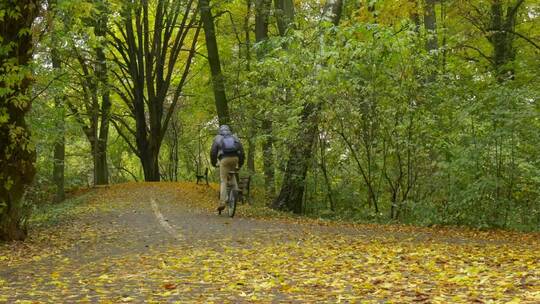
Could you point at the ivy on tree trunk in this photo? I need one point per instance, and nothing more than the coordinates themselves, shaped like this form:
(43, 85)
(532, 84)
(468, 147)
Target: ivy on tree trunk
(262, 13)
(301, 150)
(17, 155)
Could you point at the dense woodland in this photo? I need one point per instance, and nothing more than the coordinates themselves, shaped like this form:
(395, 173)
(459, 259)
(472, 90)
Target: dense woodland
(412, 111)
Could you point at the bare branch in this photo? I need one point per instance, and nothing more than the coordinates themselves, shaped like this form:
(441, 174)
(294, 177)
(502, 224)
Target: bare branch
(126, 139)
(529, 40)
(47, 86)
(478, 51)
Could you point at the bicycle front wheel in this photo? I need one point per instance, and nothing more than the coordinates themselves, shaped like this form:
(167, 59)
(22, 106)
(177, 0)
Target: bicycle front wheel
(231, 203)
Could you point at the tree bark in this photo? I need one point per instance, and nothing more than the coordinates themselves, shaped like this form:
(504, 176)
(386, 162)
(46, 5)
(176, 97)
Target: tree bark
(268, 159)
(444, 38)
(415, 17)
(501, 38)
(291, 194)
(94, 114)
(262, 13)
(218, 79)
(322, 146)
(333, 11)
(284, 10)
(252, 127)
(247, 33)
(430, 24)
(173, 151)
(432, 43)
(59, 142)
(294, 181)
(17, 156)
(251, 155)
(59, 100)
(101, 170)
(150, 163)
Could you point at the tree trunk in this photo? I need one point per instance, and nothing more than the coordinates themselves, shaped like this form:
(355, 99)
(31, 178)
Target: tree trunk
(284, 15)
(247, 31)
(94, 115)
(294, 180)
(172, 166)
(502, 38)
(218, 80)
(17, 156)
(101, 170)
(430, 24)
(292, 190)
(262, 13)
(268, 159)
(432, 43)
(150, 163)
(252, 128)
(59, 99)
(251, 156)
(322, 144)
(152, 42)
(415, 17)
(59, 156)
(444, 38)
(59, 142)
(333, 10)
(251, 149)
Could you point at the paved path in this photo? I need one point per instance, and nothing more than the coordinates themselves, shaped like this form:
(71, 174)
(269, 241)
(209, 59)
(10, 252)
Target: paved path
(155, 243)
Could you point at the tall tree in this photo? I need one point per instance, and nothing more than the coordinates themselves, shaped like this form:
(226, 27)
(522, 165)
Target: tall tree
(292, 189)
(17, 154)
(284, 15)
(497, 22)
(501, 35)
(218, 80)
(152, 63)
(262, 14)
(430, 24)
(101, 137)
(415, 17)
(59, 142)
(251, 149)
(284, 11)
(93, 110)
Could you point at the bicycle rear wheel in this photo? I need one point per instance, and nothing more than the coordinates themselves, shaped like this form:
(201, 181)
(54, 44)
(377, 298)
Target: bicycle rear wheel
(231, 202)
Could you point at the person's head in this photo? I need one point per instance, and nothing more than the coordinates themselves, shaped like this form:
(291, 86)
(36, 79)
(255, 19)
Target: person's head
(224, 130)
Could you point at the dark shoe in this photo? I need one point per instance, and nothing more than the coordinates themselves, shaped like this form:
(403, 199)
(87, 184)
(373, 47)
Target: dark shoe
(220, 208)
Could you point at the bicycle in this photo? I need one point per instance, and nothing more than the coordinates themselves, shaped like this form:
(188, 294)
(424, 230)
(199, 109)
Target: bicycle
(232, 194)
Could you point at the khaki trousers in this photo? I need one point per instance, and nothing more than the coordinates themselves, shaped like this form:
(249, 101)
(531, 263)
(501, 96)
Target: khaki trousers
(226, 165)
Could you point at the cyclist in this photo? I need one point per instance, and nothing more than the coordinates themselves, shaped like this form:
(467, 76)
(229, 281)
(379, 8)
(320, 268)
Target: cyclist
(227, 152)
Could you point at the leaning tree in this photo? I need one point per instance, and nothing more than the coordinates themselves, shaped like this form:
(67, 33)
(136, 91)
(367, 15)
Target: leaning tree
(17, 153)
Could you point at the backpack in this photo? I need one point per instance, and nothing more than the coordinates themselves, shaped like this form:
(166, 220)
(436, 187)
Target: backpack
(229, 145)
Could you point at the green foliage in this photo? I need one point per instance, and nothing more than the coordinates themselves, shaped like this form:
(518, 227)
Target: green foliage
(457, 149)
(403, 134)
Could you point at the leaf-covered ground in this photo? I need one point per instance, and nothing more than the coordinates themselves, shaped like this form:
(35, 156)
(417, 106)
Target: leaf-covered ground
(163, 243)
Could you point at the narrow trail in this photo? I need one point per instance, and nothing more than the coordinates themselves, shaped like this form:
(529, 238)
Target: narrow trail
(163, 243)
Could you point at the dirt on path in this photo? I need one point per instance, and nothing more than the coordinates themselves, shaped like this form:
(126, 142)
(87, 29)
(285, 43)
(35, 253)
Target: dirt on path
(164, 243)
